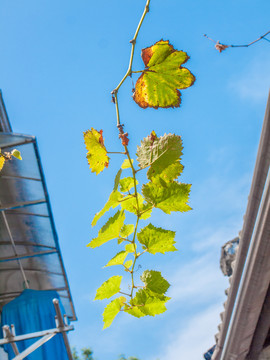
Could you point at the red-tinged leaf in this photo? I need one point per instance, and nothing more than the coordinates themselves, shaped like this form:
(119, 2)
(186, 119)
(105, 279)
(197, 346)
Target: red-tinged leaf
(159, 84)
(97, 154)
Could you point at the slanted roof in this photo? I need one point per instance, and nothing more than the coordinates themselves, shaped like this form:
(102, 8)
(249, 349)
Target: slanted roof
(245, 323)
(30, 255)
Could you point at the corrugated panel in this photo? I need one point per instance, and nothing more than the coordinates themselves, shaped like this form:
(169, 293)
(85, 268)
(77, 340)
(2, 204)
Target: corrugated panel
(29, 249)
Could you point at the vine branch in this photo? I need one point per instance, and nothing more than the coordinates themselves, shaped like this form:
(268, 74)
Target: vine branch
(220, 47)
(129, 70)
(124, 137)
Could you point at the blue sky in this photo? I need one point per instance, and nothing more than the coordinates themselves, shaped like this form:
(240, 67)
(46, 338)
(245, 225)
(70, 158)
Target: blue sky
(59, 62)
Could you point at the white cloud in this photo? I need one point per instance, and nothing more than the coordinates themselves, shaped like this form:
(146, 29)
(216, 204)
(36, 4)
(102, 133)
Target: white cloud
(196, 337)
(254, 81)
(198, 282)
(215, 238)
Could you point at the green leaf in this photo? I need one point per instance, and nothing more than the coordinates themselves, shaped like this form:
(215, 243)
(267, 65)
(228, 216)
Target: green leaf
(117, 179)
(112, 202)
(149, 303)
(127, 230)
(110, 230)
(127, 183)
(163, 75)
(146, 211)
(16, 153)
(130, 248)
(111, 310)
(129, 203)
(97, 154)
(156, 240)
(169, 173)
(134, 311)
(162, 154)
(154, 281)
(126, 164)
(128, 263)
(109, 288)
(172, 196)
(118, 259)
(120, 240)
(2, 162)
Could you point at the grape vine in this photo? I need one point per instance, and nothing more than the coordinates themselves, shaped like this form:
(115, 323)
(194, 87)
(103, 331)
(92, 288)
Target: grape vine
(157, 86)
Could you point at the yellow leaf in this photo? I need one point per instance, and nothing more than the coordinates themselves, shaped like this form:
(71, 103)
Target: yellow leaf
(97, 154)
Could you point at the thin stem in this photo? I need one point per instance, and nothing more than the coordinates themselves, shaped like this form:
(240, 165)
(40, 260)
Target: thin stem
(133, 43)
(138, 218)
(129, 70)
(246, 45)
(117, 109)
(135, 257)
(126, 198)
(134, 179)
(137, 72)
(253, 42)
(124, 293)
(142, 253)
(116, 152)
(131, 307)
(125, 239)
(144, 211)
(127, 269)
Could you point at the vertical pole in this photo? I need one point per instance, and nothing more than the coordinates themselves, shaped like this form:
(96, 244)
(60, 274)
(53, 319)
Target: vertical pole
(60, 324)
(8, 335)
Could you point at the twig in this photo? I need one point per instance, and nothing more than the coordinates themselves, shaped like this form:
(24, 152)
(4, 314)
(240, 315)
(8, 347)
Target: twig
(220, 47)
(129, 70)
(116, 152)
(121, 292)
(124, 239)
(142, 253)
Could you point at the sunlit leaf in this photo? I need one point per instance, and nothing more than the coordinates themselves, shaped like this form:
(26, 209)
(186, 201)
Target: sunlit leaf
(134, 311)
(128, 263)
(167, 196)
(118, 259)
(154, 281)
(163, 75)
(2, 162)
(156, 240)
(146, 211)
(127, 230)
(129, 203)
(16, 153)
(111, 310)
(110, 230)
(126, 164)
(162, 154)
(127, 183)
(130, 248)
(117, 179)
(170, 173)
(112, 202)
(109, 288)
(149, 303)
(97, 154)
